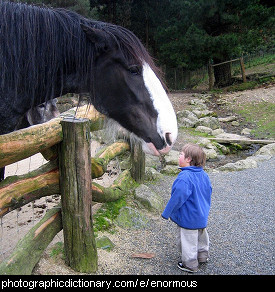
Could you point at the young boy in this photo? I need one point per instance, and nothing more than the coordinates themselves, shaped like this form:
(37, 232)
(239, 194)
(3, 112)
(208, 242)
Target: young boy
(189, 207)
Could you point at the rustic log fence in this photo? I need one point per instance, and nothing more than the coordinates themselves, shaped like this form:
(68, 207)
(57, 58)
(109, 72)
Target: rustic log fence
(65, 143)
(211, 74)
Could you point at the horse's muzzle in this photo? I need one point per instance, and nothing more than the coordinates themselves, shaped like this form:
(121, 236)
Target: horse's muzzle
(151, 149)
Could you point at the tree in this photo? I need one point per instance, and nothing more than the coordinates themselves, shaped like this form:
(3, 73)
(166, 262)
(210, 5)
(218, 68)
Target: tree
(198, 31)
(80, 6)
(187, 34)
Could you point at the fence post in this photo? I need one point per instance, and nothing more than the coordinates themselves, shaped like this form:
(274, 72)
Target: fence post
(76, 197)
(137, 162)
(210, 76)
(242, 69)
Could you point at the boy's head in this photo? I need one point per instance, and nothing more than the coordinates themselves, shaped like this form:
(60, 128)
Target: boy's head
(192, 155)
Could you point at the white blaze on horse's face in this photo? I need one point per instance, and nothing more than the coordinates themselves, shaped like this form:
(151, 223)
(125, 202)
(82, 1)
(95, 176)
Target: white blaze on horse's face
(166, 121)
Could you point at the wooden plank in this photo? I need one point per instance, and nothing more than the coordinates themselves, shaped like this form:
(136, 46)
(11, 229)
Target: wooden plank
(225, 62)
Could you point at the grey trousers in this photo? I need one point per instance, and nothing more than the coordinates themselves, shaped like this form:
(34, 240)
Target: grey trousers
(194, 246)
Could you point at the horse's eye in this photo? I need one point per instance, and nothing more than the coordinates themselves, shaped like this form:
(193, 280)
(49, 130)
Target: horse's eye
(135, 70)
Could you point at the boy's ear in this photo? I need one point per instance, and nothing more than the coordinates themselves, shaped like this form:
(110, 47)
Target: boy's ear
(188, 159)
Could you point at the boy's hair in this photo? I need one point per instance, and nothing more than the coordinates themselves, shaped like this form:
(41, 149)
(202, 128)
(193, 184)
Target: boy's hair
(195, 152)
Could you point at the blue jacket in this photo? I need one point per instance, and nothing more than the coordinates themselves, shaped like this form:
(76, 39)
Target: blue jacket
(190, 198)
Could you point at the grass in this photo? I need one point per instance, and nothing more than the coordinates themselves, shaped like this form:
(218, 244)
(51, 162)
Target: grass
(192, 132)
(263, 116)
(261, 60)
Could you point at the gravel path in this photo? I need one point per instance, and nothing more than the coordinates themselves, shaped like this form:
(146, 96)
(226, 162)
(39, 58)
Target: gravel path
(240, 226)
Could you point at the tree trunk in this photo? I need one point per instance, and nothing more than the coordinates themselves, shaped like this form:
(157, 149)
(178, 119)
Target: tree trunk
(29, 249)
(222, 74)
(76, 196)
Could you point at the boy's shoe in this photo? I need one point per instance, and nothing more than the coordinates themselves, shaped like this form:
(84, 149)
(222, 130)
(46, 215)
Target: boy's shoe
(203, 261)
(186, 269)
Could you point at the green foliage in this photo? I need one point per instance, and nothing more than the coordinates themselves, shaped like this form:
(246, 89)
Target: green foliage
(106, 214)
(79, 6)
(186, 33)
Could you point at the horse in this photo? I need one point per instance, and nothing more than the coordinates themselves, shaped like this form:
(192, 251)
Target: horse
(34, 116)
(46, 53)
(39, 114)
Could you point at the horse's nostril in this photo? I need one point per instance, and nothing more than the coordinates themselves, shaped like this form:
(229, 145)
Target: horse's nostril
(168, 139)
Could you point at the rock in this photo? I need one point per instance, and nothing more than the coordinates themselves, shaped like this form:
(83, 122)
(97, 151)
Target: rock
(186, 123)
(264, 153)
(205, 143)
(267, 150)
(149, 199)
(200, 104)
(217, 132)
(209, 122)
(210, 153)
(239, 165)
(259, 158)
(202, 113)
(152, 174)
(152, 161)
(212, 149)
(221, 148)
(204, 129)
(227, 119)
(235, 123)
(130, 218)
(186, 119)
(104, 243)
(246, 131)
(187, 114)
(172, 158)
(170, 170)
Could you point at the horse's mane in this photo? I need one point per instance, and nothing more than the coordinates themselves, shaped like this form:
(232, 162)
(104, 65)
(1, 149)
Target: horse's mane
(40, 45)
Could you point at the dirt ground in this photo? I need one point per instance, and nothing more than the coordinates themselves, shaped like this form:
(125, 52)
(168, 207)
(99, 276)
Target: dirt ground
(17, 223)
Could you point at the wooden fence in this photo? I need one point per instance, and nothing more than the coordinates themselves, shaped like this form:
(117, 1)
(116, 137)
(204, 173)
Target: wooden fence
(211, 70)
(65, 143)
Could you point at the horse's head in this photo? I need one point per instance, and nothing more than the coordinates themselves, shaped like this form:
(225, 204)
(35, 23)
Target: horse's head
(128, 90)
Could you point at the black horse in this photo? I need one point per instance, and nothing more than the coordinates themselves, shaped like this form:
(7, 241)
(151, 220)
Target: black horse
(39, 114)
(45, 53)
(34, 116)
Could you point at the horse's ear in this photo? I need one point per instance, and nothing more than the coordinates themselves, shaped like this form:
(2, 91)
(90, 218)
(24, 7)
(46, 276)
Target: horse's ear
(95, 35)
